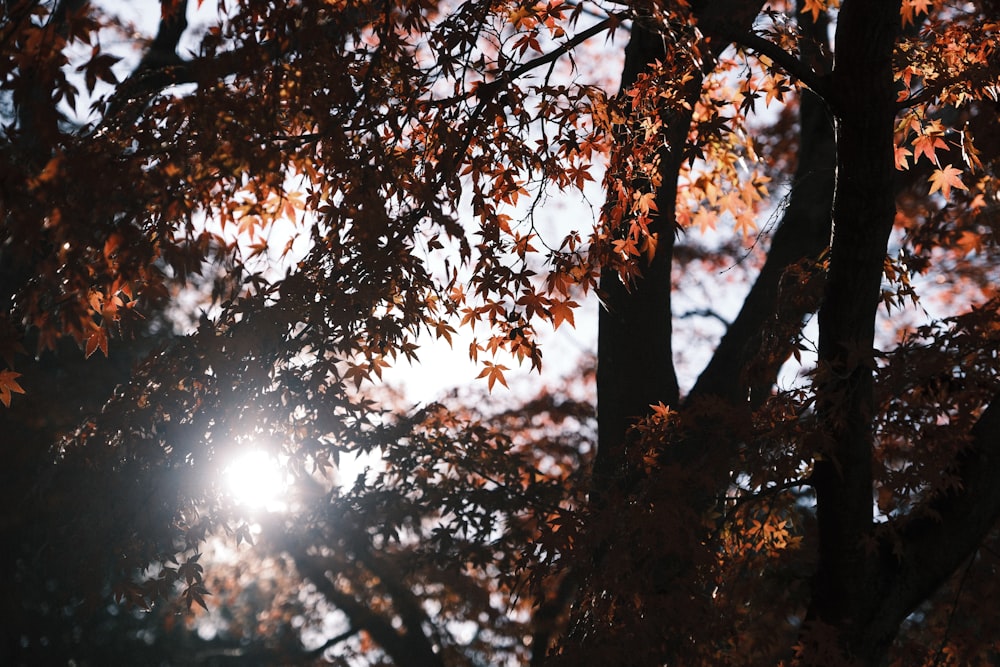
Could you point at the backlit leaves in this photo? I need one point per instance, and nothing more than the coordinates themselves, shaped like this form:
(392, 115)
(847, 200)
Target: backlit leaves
(912, 10)
(816, 7)
(945, 179)
(343, 181)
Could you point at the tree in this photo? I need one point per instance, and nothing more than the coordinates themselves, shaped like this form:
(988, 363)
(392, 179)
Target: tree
(404, 153)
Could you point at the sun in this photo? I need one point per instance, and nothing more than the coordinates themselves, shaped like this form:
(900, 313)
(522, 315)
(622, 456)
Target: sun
(257, 480)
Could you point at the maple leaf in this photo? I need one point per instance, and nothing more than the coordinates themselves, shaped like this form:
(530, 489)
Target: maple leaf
(522, 244)
(913, 8)
(646, 202)
(661, 412)
(97, 340)
(776, 88)
(745, 224)
(195, 594)
(649, 245)
(945, 179)
(927, 144)
(562, 311)
(357, 373)
(969, 152)
(578, 175)
(814, 7)
(527, 41)
(532, 302)
(9, 385)
(48, 173)
(98, 68)
(378, 364)
(443, 330)
(626, 247)
(493, 373)
(969, 242)
(257, 249)
(900, 154)
(522, 17)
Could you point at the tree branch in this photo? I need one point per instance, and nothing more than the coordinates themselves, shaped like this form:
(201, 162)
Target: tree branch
(947, 529)
(795, 67)
(546, 617)
(161, 68)
(35, 105)
(406, 603)
(333, 641)
(163, 51)
(568, 45)
(410, 647)
(487, 89)
(705, 312)
(761, 337)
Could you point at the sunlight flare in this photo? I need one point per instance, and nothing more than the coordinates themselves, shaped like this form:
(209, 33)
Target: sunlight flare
(257, 480)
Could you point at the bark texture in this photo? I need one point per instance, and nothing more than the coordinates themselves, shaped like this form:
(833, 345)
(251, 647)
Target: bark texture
(864, 212)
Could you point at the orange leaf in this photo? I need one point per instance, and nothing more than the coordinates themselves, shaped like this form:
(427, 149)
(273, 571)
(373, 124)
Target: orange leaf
(646, 202)
(969, 152)
(814, 7)
(900, 155)
(48, 173)
(493, 373)
(562, 311)
(945, 179)
(913, 8)
(626, 247)
(8, 385)
(98, 339)
(357, 373)
(927, 144)
(969, 242)
(650, 246)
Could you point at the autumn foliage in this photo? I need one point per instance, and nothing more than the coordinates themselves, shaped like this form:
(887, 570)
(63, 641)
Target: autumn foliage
(224, 234)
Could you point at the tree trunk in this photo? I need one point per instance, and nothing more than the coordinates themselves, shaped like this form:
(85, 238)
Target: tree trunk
(846, 585)
(635, 355)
